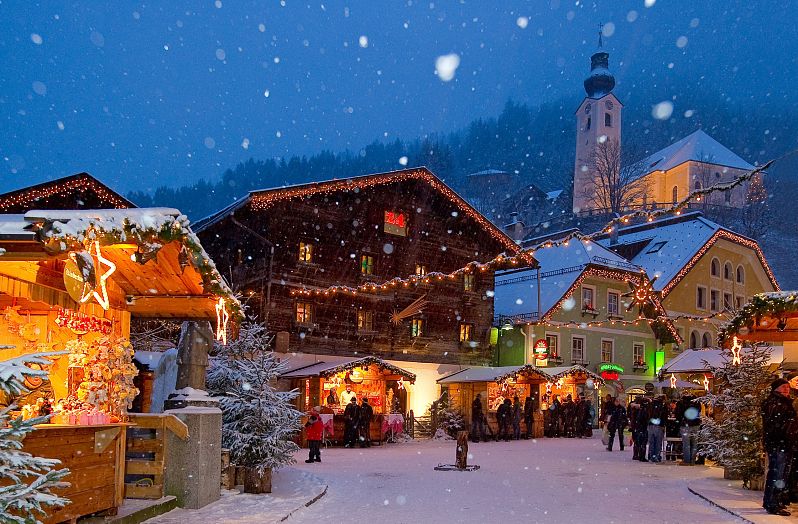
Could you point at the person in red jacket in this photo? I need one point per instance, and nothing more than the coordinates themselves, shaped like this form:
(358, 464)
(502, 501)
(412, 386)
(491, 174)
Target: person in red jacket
(315, 431)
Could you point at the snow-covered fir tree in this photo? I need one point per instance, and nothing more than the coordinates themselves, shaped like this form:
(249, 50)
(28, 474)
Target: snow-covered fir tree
(258, 422)
(26, 482)
(733, 438)
(445, 420)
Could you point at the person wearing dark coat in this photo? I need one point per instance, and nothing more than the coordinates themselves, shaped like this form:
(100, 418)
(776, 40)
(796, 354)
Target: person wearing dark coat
(350, 423)
(657, 418)
(617, 423)
(590, 414)
(556, 417)
(529, 407)
(568, 415)
(364, 414)
(606, 408)
(792, 484)
(516, 418)
(688, 419)
(778, 435)
(477, 420)
(579, 417)
(504, 419)
(638, 423)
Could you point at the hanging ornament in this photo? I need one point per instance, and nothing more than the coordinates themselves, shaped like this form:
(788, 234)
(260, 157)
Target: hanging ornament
(88, 271)
(735, 350)
(706, 382)
(222, 317)
(548, 388)
(400, 384)
(673, 381)
(642, 294)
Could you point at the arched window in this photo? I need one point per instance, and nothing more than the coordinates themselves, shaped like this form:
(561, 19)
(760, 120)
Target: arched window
(607, 120)
(675, 194)
(728, 196)
(587, 124)
(693, 340)
(727, 271)
(697, 185)
(714, 268)
(740, 275)
(706, 341)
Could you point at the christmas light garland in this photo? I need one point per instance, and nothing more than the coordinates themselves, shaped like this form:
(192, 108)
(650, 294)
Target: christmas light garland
(774, 305)
(365, 362)
(29, 196)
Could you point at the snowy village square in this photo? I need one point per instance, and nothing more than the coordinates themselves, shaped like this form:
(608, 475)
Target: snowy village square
(403, 261)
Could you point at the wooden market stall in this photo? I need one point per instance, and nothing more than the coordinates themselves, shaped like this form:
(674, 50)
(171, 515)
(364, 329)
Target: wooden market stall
(494, 385)
(330, 386)
(69, 283)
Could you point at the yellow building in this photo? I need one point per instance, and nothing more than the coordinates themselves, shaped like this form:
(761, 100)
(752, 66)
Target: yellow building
(702, 270)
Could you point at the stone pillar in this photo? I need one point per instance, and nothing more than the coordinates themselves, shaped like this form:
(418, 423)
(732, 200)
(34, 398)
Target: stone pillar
(193, 467)
(196, 339)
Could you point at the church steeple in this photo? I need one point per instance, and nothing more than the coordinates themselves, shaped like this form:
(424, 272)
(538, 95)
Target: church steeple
(600, 82)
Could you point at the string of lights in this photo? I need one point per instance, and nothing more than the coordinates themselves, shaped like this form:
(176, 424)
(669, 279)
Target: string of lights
(29, 196)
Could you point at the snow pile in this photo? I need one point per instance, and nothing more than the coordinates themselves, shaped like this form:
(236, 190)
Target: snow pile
(440, 434)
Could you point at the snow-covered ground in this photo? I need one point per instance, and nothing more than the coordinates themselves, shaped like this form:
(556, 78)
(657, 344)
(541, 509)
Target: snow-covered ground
(550, 480)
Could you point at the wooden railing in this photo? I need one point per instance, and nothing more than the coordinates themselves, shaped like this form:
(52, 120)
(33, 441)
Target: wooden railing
(145, 457)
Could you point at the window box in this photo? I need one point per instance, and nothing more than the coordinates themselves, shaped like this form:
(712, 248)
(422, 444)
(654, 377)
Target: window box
(589, 311)
(555, 359)
(614, 316)
(580, 362)
(640, 366)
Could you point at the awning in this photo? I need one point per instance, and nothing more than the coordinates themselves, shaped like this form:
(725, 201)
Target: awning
(704, 360)
(328, 369)
(498, 374)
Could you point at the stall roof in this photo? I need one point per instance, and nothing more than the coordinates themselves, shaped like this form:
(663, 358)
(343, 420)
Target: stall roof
(326, 369)
(495, 374)
(692, 360)
(767, 316)
(161, 268)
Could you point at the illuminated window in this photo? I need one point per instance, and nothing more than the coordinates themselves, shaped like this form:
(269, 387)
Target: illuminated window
(714, 300)
(701, 297)
(365, 320)
(304, 312)
(588, 294)
(714, 268)
(468, 282)
(675, 192)
(305, 252)
(577, 349)
(740, 275)
(466, 332)
(417, 327)
(727, 271)
(366, 264)
(553, 343)
(607, 347)
(395, 223)
(607, 120)
(421, 270)
(613, 304)
(639, 354)
(727, 301)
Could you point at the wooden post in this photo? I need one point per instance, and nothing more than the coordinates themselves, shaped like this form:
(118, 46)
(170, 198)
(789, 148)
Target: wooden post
(228, 473)
(255, 483)
(461, 461)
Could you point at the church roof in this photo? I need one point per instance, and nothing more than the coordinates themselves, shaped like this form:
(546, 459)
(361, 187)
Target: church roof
(698, 147)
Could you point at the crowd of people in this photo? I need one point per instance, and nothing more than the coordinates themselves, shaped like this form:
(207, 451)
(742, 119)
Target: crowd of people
(569, 418)
(780, 435)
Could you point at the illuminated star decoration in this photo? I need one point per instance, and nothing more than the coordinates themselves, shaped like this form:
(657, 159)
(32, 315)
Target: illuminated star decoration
(102, 296)
(642, 294)
(400, 384)
(673, 381)
(706, 383)
(222, 316)
(548, 388)
(413, 309)
(735, 350)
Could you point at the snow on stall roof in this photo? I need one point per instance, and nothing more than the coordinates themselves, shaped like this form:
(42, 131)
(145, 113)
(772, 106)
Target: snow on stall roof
(13, 227)
(516, 290)
(671, 243)
(478, 374)
(698, 147)
(75, 223)
(692, 360)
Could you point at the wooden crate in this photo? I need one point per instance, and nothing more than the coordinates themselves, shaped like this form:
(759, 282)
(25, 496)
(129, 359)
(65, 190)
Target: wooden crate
(145, 454)
(95, 458)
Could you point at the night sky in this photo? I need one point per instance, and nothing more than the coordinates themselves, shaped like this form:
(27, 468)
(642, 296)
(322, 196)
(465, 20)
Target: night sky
(143, 95)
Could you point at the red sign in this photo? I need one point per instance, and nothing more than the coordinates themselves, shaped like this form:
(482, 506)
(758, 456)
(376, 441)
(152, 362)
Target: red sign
(81, 323)
(609, 375)
(395, 223)
(541, 350)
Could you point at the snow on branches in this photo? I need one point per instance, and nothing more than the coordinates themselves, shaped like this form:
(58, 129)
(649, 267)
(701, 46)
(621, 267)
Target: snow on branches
(733, 438)
(26, 482)
(258, 422)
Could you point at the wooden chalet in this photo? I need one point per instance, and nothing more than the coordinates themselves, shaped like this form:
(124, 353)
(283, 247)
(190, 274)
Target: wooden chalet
(80, 191)
(284, 248)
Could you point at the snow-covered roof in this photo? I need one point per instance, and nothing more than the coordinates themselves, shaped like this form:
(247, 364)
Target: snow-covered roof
(76, 223)
(516, 290)
(698, 147)
(487, 172)
(692, 360)
(12, 227)
(664, 247)
(326, 369)
(668, 244)
(563, 371)
(479, 374)
(554, 195)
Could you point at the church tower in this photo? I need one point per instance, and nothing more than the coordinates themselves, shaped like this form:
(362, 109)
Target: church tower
(597, 119)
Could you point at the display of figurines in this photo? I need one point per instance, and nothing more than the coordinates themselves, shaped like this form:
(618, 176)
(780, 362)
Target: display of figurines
(41, 408)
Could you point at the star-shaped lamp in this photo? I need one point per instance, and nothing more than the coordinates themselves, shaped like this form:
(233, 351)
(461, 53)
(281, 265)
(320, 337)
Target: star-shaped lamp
(642, 294)
(102, 296)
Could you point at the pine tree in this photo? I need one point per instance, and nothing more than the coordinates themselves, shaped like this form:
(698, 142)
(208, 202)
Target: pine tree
(733, 438)
(26, 481)
(445, 420)
(258, 422)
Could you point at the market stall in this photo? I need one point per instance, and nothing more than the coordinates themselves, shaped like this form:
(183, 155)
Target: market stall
(69, 283)
(331, 386)
(494, 385)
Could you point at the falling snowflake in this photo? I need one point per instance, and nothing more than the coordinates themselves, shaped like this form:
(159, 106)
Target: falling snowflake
(446, 66)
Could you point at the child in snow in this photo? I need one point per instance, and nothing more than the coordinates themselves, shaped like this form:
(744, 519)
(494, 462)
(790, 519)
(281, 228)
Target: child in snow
(315, 430)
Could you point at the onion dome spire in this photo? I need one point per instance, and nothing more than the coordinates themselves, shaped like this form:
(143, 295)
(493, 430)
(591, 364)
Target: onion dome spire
(600, 82)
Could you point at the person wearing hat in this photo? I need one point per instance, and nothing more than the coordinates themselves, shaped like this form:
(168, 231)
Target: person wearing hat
(364, 414)
(778, 434)
(350, 423)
